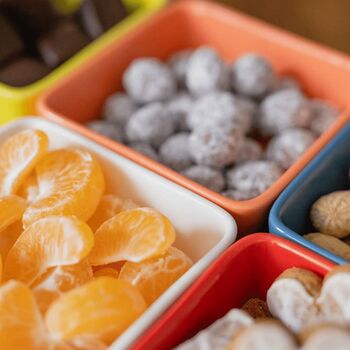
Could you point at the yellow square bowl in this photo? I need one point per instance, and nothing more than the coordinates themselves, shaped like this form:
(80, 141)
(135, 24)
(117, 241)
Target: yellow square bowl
(19, 101)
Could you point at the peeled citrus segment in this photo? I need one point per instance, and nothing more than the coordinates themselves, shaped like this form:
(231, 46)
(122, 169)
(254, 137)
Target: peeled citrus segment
(116, 266)
(109, 206)
(58, 280)
(133, 235)
(18, 156)
(8, 237)
(29, 189)
(49, 242)
(103, 308)
(11, 210)
(70, 182)
(106, 271)
(154, 276)
(88, 343)
(21, 325)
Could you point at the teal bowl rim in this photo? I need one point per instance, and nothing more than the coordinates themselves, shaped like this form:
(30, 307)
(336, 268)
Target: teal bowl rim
(277, 226)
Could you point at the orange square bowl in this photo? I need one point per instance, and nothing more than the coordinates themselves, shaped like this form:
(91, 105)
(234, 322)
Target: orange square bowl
(323, 73)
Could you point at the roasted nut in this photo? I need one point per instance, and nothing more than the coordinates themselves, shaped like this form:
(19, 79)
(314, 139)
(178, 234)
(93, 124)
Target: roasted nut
(330, 214)
(333, 244)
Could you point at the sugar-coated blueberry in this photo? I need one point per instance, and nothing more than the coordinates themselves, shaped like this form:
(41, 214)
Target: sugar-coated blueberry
(285, 148)
(206, 176)
(118, 108)
(250, 150)
(108, 129)
(287, 83)
(178, 62)
(253, 177)
(323, 115)
(206, 72)
(179, 107)
(215, 146)
(149, 80)
(219, 109)
(150, 124)
(175, 153)
(283, 110)
(238, 195)
(146, 149)
(253, 75)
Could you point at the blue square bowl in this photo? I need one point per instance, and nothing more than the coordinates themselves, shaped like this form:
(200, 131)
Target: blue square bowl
(328, 172)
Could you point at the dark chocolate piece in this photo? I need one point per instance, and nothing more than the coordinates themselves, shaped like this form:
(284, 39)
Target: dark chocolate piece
(61, 43)
(10, 43)
(23, 71)
(97, 16)
(32, 17)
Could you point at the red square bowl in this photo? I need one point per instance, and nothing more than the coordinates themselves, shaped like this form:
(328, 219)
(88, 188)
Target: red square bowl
(188, 24)
(246, 270)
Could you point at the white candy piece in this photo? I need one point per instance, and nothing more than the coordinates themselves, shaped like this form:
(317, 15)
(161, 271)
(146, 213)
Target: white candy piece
(268, 335)
(218, 335)
(290, 302)
(328, 339)
(334, 300)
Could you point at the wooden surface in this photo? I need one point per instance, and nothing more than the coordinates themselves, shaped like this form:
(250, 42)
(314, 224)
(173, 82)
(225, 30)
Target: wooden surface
(326, 21)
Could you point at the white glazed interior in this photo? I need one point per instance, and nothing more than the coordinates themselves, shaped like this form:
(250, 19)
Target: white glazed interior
(203, 229)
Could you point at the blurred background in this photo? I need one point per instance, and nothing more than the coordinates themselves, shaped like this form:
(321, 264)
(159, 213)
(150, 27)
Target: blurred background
(326, 21)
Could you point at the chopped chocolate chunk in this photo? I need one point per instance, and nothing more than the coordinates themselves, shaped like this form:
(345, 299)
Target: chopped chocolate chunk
(23, 71)
(99, 15)
(61, 43)
(10, 43)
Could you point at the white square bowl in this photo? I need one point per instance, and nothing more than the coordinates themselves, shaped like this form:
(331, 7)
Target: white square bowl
(204, 230)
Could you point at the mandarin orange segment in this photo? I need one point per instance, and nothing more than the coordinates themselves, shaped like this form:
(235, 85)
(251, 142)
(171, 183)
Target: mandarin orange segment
(102, 308)
(8, 237)
(88, 343)
(21, 325)
(49, 242)
(11, 210)
(106, 271)
(109, 206)
(116, 266)
(154, 276)
(133, 235)
(29, 189)
(70, 182)
(18, 156)
(58, 280)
